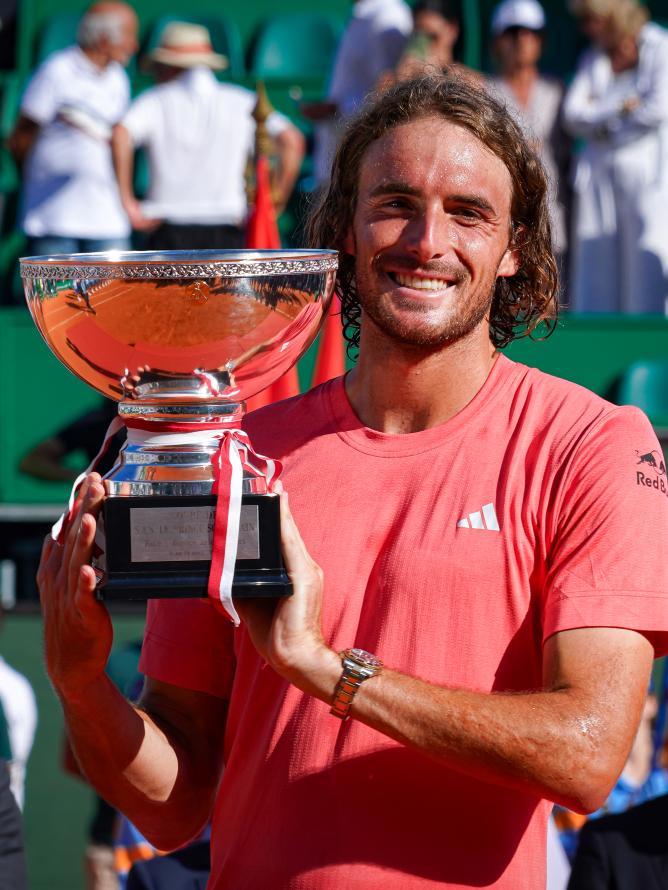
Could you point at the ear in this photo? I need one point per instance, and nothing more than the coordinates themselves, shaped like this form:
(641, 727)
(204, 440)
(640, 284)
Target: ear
(510, 263)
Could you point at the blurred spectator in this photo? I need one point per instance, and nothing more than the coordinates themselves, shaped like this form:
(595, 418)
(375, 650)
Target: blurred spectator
(12, 859)
(618, 104)
(48, 459)
(70, 202)
(18, 703)
(625, 851)
(371, 45)
(432, 43)
(518, 36)
(431, 47)
(186, 869)
(198, 134)
(642, 779)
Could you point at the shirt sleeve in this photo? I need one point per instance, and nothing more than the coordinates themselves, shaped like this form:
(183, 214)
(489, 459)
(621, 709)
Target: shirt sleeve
(585, 114)
(607, 565)
(187, 643)
(653, 108)
(139, 119)
(41, 100)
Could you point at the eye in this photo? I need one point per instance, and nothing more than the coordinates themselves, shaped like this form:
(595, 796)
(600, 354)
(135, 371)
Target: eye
(467, 215)
(396, 203)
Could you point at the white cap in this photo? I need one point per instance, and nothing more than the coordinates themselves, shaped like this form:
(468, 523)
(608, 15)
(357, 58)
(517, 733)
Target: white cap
(518, 14)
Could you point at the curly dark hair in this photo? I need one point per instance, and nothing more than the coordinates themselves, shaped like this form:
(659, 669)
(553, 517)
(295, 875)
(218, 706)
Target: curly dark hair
(520, 303)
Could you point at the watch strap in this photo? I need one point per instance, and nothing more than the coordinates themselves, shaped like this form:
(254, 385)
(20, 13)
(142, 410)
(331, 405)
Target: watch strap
(352, 677)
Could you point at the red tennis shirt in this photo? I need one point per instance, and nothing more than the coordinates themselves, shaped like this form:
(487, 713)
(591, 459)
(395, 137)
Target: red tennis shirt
(452, 554)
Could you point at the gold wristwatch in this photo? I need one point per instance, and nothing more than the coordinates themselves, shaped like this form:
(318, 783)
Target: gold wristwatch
(358, 666)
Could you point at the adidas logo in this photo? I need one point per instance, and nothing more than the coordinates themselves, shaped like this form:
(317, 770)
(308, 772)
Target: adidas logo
(484, 519)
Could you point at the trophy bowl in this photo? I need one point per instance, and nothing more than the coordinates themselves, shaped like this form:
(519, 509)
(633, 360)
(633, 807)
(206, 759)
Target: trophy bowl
(181, 339)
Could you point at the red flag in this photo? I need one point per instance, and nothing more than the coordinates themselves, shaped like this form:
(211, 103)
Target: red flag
(331, 359)
(262, 234)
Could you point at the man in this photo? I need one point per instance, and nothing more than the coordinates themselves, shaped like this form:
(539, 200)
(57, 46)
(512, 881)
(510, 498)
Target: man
(475, 524)
(518, 37)
(622, 850)
(13, 874)
(198, 134)
(371, 46)
(17, 700)
(70, 202)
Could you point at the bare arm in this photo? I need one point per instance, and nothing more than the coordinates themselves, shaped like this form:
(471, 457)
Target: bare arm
(22, 137)
(122, 151)
(159, 762)
(567, 742)
(290, 146)
(45, 461)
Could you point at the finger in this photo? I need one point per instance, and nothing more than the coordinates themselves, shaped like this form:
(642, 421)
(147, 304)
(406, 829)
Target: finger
(47, 563)
(81, 550)
(89, 506)
(84, 597)
(294, 550)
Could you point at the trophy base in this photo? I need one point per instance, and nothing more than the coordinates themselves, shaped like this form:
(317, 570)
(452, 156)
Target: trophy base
(160, 547)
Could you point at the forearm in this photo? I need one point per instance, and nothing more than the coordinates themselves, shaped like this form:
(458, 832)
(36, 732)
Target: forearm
(567, 742)
(123, 157)
(540, 741)
(136, 764)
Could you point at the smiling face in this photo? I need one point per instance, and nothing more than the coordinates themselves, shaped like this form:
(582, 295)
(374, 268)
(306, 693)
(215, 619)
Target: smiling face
(430, 233)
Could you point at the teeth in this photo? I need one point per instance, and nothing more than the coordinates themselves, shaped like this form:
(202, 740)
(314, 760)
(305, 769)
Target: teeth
(420, 283)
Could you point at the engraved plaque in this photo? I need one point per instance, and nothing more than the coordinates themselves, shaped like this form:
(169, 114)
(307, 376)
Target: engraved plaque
(183, 534)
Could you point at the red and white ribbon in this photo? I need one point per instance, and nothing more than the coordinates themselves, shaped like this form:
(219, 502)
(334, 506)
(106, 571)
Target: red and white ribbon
(234, 453)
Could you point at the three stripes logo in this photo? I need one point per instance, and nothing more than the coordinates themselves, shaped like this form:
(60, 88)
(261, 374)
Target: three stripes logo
(484, 519)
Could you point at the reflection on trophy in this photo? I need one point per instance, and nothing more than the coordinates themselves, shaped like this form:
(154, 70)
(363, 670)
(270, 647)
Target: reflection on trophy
(180, 340)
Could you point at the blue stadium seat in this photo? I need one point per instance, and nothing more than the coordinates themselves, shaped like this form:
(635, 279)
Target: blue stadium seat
(59, 31)
(645, 384)
(299, 46)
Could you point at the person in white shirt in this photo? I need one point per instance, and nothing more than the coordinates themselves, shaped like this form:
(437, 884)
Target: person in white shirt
(18, 703)
(70, 202)
(197, 134)
(371, 45)
(618, 105)
(518, 31)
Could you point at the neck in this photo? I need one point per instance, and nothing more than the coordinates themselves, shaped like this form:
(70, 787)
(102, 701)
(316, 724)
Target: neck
(400, 389)
(521, 77)
(97, 56)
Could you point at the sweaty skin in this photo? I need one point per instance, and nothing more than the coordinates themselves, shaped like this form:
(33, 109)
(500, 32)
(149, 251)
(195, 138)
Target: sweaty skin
(431, 233)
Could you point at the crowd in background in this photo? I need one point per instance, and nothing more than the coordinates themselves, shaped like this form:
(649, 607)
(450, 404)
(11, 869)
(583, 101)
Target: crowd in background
(603, 139)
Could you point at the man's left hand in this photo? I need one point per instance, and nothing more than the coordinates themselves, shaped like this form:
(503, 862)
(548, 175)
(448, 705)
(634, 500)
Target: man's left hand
(288, 634)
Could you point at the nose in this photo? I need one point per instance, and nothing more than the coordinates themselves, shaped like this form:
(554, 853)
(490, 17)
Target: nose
(428, 236)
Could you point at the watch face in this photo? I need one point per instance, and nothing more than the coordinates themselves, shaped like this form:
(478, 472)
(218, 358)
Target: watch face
(365, 658)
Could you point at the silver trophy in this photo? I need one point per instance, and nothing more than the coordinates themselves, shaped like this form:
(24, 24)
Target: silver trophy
(181, 339)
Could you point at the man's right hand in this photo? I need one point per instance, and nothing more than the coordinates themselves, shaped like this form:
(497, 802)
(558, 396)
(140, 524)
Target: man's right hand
(77, 629)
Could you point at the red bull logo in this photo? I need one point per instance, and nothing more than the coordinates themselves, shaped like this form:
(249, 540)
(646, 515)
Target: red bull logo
(653, 474)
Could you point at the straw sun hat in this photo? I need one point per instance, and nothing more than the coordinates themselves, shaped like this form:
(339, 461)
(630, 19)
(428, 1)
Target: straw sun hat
(184, 45)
